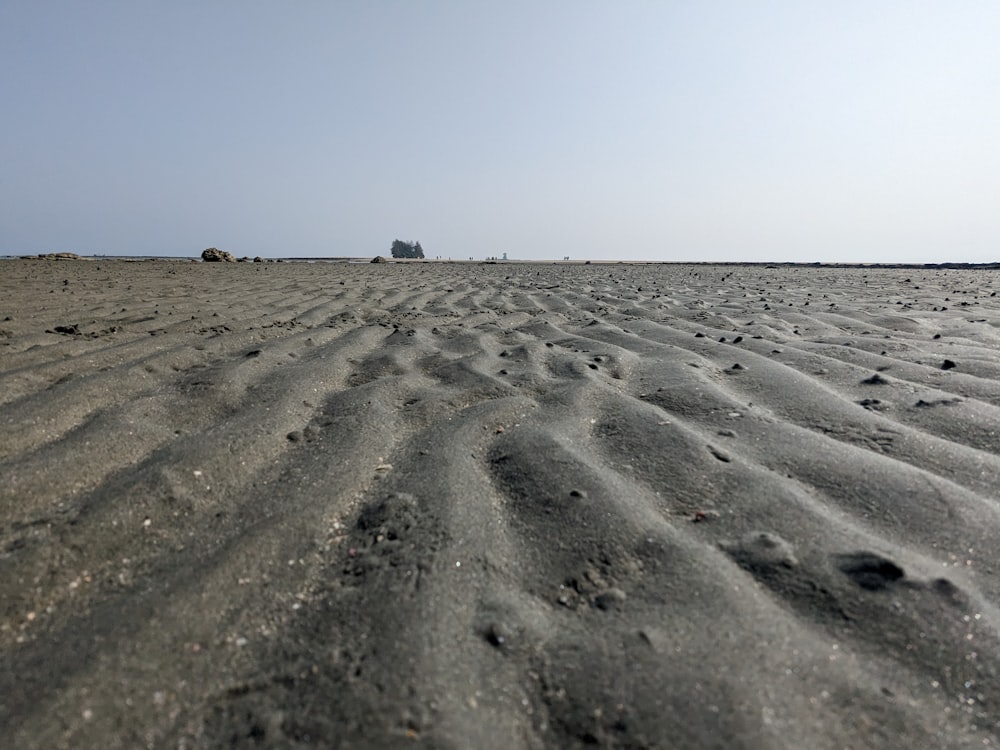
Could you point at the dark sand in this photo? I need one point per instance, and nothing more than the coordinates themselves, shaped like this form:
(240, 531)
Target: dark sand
(498, 506)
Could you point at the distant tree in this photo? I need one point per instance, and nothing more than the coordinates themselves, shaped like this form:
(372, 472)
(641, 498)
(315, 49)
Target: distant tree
(402, 249)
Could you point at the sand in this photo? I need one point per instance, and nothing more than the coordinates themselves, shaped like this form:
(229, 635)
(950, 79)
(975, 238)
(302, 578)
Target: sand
(498, 506)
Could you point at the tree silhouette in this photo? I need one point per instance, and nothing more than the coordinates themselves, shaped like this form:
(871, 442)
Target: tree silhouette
(402, 249)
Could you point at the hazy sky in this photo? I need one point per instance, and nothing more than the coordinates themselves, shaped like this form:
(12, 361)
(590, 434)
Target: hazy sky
(745, 130)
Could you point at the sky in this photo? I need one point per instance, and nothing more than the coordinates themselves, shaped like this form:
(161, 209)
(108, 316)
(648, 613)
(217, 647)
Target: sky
(849, 131)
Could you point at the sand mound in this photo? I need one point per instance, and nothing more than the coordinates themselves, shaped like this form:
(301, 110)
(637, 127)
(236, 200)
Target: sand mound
(290, 505)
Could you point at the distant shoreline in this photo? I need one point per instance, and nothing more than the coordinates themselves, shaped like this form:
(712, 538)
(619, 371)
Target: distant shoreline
(514, 261)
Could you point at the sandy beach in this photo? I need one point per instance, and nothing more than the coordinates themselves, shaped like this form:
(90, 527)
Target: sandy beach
(436, 505)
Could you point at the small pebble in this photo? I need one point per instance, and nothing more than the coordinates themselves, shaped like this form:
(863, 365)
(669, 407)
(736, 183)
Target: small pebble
(700, 516)
(497, 635)
(719, 454)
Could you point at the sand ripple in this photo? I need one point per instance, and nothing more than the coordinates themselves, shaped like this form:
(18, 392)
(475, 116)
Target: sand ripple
(498, 506)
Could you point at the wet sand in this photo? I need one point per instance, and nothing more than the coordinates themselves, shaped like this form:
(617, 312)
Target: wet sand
(498, 506)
